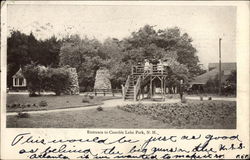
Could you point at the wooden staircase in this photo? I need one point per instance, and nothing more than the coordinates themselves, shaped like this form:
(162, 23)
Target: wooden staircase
(132, 88)
(129, 89)
(139, 78)
(130, 93)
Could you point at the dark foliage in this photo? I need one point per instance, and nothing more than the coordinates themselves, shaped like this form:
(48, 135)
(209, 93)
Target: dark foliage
(88, 55)
(215, 114)
(24, 49)
(41, 78)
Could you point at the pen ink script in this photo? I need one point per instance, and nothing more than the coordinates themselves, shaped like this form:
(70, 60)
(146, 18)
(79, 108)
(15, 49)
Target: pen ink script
(125, 146)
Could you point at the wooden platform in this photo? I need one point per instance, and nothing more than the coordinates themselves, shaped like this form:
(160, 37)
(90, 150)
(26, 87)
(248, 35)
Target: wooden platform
(142, 76)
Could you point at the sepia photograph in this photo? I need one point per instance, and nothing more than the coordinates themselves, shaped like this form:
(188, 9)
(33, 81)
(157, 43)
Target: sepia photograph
(121, 66)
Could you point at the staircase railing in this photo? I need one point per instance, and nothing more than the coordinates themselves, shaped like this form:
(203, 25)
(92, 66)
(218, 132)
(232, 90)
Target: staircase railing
(137, 88)
(125, 88)
(152, 69)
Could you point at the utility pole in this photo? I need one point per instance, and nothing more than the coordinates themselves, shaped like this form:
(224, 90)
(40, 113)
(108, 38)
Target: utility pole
(220, 66)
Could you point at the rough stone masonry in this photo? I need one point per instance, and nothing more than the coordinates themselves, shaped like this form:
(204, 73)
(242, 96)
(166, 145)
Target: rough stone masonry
(102, 79)
(73, 88)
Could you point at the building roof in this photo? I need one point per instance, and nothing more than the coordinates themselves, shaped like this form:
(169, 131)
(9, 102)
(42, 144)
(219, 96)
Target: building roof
(19, 74)
(211, 74)
(224, 66)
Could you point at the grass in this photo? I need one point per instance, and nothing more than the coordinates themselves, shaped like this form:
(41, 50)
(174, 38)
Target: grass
(115, 117)
(54, 102)
(92, 118)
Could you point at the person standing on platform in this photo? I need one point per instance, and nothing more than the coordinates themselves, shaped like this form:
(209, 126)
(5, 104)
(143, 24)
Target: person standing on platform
(160, 66)
(146, 66)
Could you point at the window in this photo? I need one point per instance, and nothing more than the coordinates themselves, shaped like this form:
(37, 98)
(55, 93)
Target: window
(16, 82)
(19, 82)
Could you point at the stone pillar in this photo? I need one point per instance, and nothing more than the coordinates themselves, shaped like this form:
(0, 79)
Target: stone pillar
(102, 79)
(73, 87)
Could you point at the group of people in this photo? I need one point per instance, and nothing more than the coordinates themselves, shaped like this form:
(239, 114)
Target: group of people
(149, 66)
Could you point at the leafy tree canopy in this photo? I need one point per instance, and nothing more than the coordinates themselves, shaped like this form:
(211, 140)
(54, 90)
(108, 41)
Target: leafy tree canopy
(23, 49)
(87, 55)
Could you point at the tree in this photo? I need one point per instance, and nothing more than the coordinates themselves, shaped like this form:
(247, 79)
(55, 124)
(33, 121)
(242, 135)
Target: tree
(84, 55)
(232, 77)
(36, 76)
(119, 68)
(47, 52)
(87, 55)
(58, 80)
(23, 49)
(41, 78)
(147, 43)
(229, 87)
(158, 44)
(17, 53)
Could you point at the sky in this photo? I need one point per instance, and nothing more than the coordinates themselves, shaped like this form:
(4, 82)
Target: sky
(205, 24)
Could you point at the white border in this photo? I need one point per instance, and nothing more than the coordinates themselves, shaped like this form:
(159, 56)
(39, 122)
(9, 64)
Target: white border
(243, 87)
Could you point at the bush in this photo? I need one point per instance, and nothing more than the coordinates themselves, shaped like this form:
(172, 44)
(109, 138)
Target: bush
(36, 78)
(85, 100)
(91, 96)
(23, 115)
(201, 98)
(43, 104)
(99, 108)
(13, 105)
(213, 114)
(58, 80)
(183, 100)
(33, 95)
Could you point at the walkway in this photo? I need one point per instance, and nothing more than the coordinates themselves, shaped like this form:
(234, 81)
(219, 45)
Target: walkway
(116, 102)
(106, 104)
(213, 98)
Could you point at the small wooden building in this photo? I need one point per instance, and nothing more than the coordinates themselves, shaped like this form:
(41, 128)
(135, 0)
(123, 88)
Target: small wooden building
(19, 81)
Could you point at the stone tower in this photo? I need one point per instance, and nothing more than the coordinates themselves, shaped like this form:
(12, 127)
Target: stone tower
(73, 88)
(102, 79)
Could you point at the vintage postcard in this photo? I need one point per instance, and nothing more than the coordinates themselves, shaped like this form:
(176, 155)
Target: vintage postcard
(124, 80)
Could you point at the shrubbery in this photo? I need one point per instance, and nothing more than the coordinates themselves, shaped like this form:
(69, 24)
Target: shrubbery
(99, 108)
(17, 107)
(35, 75)
(23, 115)
(85, 100)
(183, 100)
(43, 104)
(58, 80)
(228, 87)
(216, 114)
(40, 78)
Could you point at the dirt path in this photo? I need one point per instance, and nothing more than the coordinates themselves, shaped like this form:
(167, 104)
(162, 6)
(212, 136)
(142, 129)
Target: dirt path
(116, 102)
(106, 104)
(213, 98)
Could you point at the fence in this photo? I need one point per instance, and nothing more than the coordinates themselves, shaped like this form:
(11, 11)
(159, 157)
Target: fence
(104, 92)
